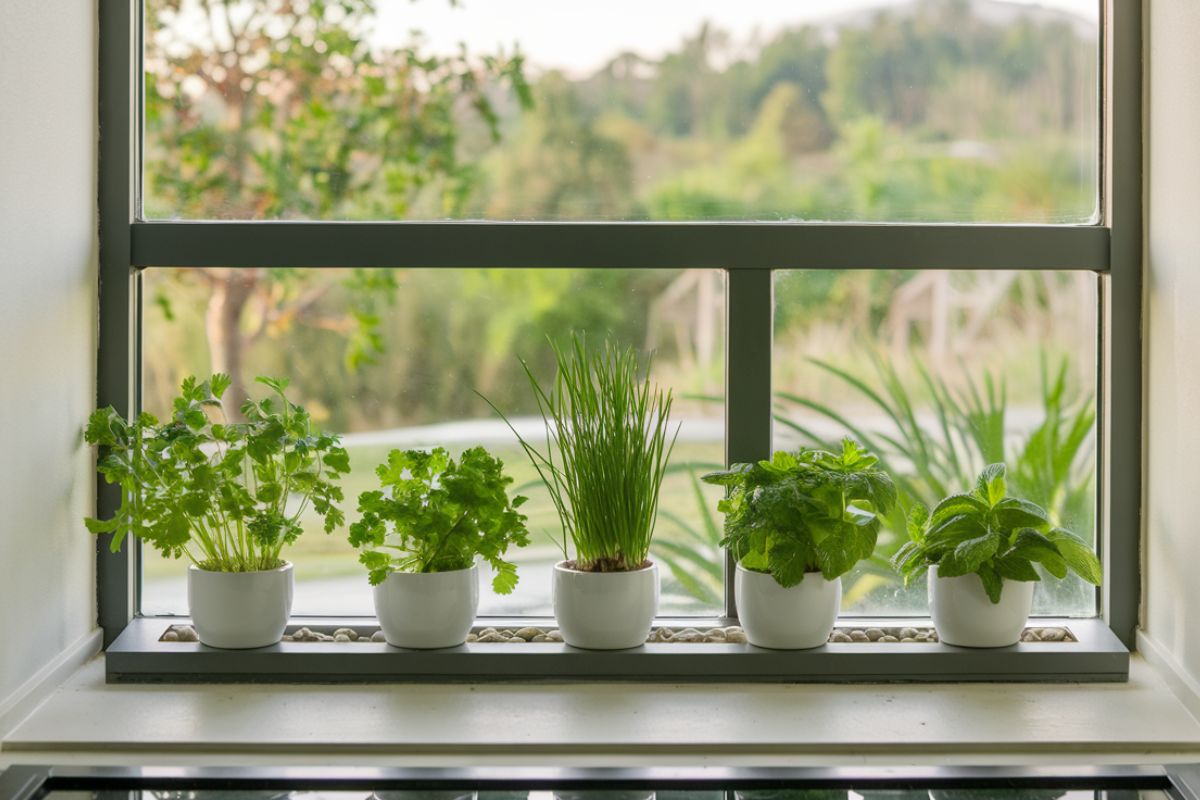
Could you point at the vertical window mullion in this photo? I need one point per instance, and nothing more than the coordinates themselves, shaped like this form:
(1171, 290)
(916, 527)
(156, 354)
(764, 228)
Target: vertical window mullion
(749, 315)
(116, 379)
(1120, 420)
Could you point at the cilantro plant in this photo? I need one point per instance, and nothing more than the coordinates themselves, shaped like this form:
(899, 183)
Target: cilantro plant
(218, 492)
(442, 516)
(995, 536)
(804, 512)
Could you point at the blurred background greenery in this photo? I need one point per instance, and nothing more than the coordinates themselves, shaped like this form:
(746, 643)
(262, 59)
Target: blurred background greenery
(931, 110)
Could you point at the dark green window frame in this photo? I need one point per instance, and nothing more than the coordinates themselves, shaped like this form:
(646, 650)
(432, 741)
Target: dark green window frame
(748, 252)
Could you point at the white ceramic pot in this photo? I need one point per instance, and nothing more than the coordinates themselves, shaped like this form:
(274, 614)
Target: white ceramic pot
(432, 794)
(794, 618)
(428, 610)
(605, 610)
(240, 610)
(606, 794)
(964, 616)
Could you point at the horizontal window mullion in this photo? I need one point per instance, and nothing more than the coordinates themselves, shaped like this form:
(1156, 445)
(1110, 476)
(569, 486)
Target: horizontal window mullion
(620, 245)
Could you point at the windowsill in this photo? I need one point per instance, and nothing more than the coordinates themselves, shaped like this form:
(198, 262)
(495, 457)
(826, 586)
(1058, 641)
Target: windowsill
(137, 656)
(90, 721)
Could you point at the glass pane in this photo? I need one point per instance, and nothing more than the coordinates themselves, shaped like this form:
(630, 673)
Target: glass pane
(391, 359)
(860, 110)
(941, 373)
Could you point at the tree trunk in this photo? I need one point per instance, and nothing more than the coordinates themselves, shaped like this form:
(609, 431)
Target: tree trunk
(231, 290)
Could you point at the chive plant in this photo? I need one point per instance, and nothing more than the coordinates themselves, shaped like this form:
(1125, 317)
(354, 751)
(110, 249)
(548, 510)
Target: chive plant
(610, 430)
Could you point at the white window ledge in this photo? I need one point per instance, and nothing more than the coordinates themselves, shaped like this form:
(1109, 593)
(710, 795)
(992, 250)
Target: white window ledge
(89, 721)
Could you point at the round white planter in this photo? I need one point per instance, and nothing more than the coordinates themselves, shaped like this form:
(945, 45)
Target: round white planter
(428, 610)
(794, 618)
(606, 794)
(605, 610)
(964, 616)
(240, 610)
(431, 794)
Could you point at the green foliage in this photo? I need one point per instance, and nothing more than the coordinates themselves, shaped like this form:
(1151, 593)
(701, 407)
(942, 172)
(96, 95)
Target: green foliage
(295, 116)
(443, 514)
(282, 111)
(994, 536)
(811, 511)
(610, 430)
(693, 552)
(218, 492)
(968, 433)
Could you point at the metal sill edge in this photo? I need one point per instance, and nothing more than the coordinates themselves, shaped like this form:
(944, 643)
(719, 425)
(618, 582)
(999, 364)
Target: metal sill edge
(138, 657)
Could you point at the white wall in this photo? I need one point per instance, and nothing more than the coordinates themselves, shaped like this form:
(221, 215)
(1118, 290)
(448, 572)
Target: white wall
(1171, 609)
(47, 335)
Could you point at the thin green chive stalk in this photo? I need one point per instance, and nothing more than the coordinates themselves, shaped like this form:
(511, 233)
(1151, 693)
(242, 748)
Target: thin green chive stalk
(609, 429)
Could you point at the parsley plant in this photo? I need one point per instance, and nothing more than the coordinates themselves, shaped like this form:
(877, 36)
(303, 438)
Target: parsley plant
(442, 516)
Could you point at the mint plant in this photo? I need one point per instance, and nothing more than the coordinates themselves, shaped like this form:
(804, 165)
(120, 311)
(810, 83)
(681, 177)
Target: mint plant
(995, 536)
(442, 514)
(218, 492)
(804, 512)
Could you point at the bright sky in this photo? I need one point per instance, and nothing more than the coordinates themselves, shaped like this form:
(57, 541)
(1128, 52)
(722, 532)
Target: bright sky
(578, 37)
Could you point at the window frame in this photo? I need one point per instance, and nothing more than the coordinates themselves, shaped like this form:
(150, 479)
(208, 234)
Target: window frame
(748, 252)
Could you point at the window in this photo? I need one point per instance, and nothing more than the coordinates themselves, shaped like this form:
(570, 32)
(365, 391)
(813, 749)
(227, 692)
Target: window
(842, 151)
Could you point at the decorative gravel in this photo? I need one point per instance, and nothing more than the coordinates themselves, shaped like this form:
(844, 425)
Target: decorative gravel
(729, 635)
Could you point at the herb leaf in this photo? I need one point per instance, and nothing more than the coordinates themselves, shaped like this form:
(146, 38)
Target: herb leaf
(805, 512)
(442, 516)
(997, 537)
(228, 495)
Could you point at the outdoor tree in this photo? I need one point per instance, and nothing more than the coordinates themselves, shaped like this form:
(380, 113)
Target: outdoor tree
(283, 109)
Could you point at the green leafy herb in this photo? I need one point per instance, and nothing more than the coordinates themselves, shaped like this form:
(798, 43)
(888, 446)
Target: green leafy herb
(993, 535)
(610, 429)
(218, 492)
(810, 511)
(442, 514)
